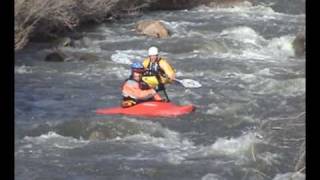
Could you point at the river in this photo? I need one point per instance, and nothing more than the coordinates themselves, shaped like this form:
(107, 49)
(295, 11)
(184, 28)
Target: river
(250, 116)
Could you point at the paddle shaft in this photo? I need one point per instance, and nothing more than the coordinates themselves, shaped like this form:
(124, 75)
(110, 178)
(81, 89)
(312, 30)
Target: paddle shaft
(163, 88)
(165, 93)
(179, 82)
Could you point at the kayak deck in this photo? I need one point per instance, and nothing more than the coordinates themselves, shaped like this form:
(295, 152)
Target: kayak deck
(151, 109)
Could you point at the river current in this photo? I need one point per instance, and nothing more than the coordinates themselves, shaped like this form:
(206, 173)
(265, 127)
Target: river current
(250, 116)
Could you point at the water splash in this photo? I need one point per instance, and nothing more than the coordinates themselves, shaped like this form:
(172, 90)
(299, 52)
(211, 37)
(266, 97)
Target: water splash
(128, 56)
(22, 69)
(211, 176)
(52, 139)
(232, 147)
(291, 176)
(280, 47)
(243, 34)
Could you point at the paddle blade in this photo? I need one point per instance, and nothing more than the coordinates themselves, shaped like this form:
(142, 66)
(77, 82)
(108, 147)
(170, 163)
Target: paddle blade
(189, 83)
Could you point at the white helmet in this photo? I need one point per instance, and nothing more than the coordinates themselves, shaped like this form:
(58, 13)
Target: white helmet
(153, 51)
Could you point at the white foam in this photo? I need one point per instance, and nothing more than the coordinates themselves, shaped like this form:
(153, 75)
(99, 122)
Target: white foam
(265, 71)
(243, 34)
(22, 69)
(128, 56)
(290, 176)
(255, 46)
(233, 110)
(269, 158)
(177, 148)
(242, 7)
(121, 72)
(214, 109)
(248, 78)
(280, 47)
(246, 8)
(53, 139)
(191, 93)
(189, 83)
(183, 28)
(231, 146)
(95, 70)
(285, 87)
(212, 176)
(180, 74)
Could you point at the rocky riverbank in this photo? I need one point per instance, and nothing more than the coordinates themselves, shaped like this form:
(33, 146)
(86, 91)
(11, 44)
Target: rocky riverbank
(43, 20)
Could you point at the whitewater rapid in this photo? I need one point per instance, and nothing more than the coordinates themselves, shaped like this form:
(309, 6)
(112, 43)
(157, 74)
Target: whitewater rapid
(249, 121)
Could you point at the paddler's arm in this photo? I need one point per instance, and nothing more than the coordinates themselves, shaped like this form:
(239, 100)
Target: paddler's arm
(168, 69)
(132, 89)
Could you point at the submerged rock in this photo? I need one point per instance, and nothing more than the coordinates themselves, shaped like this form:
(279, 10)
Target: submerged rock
(67, 42)
(64, 42)
(55, 56)
(88, 57)
(96, 135)
(153, 28)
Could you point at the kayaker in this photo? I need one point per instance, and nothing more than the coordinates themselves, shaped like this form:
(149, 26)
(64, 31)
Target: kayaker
(159, 68)
(134, 90)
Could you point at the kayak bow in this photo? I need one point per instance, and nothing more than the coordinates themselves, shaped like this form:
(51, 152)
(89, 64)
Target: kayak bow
(153, 108)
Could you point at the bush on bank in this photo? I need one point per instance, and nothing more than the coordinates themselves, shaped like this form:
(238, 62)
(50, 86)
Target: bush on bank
(43, 19)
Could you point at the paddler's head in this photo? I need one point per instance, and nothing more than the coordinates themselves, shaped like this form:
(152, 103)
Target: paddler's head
(153, 53)
(137, 70)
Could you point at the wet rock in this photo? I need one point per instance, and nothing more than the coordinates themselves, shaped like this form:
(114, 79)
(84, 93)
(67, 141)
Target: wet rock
(55, 56)
(88, 57)
(85, 42)
(67, 42)
(299, 44)
(64, 42)
(96, 135)
(153, 28)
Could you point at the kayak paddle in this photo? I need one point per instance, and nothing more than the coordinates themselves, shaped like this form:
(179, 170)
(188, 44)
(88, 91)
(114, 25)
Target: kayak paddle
(188, 83)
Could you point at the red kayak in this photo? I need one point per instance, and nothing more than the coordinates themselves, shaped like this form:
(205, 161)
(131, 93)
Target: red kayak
(153, 108)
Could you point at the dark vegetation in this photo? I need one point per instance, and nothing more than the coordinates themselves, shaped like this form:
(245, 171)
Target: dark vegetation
(46, 19)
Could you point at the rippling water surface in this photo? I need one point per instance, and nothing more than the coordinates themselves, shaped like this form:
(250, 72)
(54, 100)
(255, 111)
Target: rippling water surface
(250, 117)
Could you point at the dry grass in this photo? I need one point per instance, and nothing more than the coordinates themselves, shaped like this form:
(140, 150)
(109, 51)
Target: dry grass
(48, 17)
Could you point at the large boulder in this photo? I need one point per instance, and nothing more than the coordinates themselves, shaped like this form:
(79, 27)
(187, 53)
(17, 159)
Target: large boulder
(299, 44)
(153, 28)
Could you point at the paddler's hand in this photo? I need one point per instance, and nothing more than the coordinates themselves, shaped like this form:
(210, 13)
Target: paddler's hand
(160, 87)
(157, 97)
